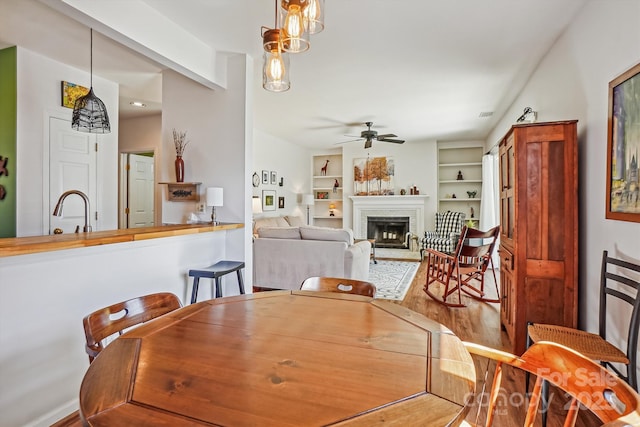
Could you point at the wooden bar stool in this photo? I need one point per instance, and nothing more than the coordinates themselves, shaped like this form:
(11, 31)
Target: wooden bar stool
(215, 272)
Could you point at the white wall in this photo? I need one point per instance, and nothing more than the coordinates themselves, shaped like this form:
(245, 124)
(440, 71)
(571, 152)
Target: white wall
(572, 83)
(39, 96)
(44, 297)
(291, 162)
(416, 163)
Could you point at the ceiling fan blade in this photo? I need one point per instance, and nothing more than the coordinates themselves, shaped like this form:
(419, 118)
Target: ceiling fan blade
(386, 135)
(395, 141)
(351, 140)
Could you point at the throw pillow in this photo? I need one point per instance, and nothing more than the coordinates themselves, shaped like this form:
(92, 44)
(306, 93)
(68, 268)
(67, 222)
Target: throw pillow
(327, 233)
(295, 221)
(279, 233)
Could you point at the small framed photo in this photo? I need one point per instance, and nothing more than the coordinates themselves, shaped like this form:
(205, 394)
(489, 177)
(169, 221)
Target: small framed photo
(268, 200)
(265, 177)
(274, 178)
(322, 195)
(280, 202)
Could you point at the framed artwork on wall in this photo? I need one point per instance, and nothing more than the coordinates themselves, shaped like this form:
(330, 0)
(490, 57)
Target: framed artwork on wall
(623, 147)
(265, 177)
(268, 200)
(280, 202)
(71, 92)
(373, 176)
(274, 178)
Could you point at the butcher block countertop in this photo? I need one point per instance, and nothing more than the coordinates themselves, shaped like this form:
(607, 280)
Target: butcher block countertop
(29, 245)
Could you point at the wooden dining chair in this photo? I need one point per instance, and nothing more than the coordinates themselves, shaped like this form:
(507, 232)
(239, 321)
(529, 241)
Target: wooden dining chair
(464, 269)
(620, 280)
(337, 284)
(588, 384)
(103, 325)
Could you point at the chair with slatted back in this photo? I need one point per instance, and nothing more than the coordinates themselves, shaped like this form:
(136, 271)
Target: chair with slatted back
(588, 384)
(620, 280)
(103, 324)
(463, 269)
(338, 284)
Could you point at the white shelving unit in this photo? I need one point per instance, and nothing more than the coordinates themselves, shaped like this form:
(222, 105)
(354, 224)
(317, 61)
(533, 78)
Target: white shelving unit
(325, 191)
(459, 176)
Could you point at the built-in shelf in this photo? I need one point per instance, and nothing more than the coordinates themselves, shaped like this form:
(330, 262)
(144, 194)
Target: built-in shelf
(459, 173)
(182, 191)
(324, 185)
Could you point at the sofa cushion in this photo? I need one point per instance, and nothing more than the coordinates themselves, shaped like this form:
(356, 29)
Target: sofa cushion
(295, 221)
(269, 221)
(279, 232)
(326, 233)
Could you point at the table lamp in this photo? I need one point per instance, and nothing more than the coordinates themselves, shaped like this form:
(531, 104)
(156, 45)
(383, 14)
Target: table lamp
(307, 199)
(214, 198)
(256, 205)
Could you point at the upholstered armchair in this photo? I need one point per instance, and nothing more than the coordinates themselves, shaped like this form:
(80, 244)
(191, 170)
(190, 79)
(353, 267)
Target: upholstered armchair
(446, 234)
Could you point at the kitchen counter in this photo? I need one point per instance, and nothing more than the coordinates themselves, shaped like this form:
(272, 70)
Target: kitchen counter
(29, 245)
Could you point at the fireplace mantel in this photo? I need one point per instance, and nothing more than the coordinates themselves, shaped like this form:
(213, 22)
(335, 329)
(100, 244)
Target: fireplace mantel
(411, 206)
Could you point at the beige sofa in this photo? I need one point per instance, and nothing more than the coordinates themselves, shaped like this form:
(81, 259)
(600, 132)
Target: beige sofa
(283, 256)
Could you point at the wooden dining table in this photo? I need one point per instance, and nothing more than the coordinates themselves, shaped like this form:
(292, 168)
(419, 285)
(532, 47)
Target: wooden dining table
(282, 358)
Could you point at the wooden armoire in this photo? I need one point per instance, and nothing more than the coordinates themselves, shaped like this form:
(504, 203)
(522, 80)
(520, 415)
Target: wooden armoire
(539, 227)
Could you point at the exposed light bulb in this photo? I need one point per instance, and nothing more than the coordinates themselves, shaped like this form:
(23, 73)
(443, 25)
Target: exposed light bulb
(275, 77)
(295, 35)
(314, 16)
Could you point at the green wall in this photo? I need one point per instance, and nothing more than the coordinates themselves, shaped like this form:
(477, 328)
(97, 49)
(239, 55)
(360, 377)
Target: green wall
(8, 123)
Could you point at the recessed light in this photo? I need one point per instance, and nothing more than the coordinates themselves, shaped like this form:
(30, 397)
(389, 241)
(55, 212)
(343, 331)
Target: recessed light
(138, 104)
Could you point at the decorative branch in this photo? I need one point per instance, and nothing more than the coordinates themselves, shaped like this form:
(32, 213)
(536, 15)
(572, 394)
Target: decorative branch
(180, 141)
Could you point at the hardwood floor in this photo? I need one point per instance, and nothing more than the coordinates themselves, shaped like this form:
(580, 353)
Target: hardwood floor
(480, 323)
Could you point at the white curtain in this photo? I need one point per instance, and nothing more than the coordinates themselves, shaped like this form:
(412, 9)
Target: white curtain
(490, 200)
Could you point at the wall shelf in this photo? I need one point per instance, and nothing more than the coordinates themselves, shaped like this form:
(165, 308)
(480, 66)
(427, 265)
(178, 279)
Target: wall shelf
(182, 191)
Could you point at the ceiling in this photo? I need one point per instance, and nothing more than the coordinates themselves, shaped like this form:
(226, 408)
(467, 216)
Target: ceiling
(422, 69)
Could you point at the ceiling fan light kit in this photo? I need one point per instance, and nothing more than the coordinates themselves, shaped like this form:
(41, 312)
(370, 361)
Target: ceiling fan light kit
(89, 112)
(301, 18)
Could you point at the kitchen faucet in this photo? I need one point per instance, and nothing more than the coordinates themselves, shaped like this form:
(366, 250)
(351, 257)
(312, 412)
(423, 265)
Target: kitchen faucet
(58, 209)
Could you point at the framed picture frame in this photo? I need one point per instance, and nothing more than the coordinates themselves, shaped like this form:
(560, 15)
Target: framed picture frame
(268, 200)
(70, 92)
(623, 146)
(322, 195)
(274, 178)
(265, 177)
(280, 202)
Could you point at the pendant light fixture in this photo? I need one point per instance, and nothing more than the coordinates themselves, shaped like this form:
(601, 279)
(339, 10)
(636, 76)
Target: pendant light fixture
(295, 32)
(314, 16)
(89, 113)
(275, 69)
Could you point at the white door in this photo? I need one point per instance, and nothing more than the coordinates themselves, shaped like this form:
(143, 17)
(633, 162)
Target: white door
(141, 188)
(72, 166)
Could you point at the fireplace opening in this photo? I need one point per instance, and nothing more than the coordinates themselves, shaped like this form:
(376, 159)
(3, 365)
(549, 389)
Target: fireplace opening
(388, 232)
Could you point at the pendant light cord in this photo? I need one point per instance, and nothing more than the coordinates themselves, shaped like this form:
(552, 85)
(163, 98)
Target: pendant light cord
(91, 61)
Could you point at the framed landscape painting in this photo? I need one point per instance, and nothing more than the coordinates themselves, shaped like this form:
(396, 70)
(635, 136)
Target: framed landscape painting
(623, 147)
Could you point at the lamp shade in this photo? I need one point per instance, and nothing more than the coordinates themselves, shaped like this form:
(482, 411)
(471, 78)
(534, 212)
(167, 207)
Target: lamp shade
(307, 199)
(256, 205)
(214, 196)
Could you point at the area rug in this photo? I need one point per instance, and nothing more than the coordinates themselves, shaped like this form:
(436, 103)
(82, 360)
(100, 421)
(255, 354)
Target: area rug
(392, 278)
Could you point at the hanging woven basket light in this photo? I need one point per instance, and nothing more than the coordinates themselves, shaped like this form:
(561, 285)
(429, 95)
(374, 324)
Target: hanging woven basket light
(89, 113)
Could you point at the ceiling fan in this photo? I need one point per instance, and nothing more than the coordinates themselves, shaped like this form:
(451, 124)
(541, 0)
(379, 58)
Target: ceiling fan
(370, 135)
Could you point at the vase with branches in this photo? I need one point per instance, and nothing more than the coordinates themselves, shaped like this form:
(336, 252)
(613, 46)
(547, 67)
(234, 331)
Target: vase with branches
(180, 142)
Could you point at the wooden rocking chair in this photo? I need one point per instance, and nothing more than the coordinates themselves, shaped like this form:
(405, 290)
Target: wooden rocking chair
(460, 271)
